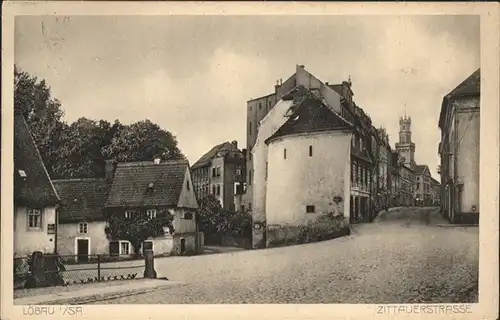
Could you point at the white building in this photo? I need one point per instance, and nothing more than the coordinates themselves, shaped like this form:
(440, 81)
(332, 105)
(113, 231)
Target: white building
(459, 122)
(301, 160)
(35, 199)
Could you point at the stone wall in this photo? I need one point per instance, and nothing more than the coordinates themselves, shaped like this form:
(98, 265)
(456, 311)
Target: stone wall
(324, 228)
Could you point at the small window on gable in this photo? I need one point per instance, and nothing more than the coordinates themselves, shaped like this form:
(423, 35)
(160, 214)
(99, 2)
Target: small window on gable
(260, 105)
(310, 209)
(310, 151)
(284, 153)
(22, 174)
(187, 184)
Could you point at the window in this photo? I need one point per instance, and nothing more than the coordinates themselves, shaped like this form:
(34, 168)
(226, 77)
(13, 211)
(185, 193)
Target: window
(250, 206)
(242, 208)
(260, 105)
(187, 184)
(218, 189)
(250, 128)
(188, 216)
(266, 170)
(250, 177)
(284, 153)
(34, 218)
(151, 213)
(214, 172)
(213, 189)
(51, 228)
(310, 209)
(218, 171)
(352, 171)
(128, 214)
(238, 171)
(124, 247)
(310, 151)
(83, 228)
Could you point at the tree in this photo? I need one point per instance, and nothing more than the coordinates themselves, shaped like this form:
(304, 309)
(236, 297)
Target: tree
(213, 219)
(143, 141)
(79, 150)
(138, 227)
(42, 113)
(80, 153)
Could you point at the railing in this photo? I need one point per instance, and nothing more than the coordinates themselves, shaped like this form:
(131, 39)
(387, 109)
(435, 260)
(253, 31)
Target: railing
(73, 269)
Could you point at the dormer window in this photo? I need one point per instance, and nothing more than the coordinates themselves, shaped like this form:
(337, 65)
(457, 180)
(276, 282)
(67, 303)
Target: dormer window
(22, 174)
(151, 185)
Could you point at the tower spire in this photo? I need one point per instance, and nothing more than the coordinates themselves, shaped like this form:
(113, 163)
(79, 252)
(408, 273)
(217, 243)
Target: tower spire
(405, 111)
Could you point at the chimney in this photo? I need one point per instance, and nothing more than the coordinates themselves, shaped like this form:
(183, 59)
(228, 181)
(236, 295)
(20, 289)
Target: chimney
(235, 143)
(301, 66)
(156, 160)
(109, 170)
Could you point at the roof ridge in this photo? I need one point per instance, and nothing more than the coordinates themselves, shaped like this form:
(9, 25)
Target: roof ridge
(150, 163)
(78, 180)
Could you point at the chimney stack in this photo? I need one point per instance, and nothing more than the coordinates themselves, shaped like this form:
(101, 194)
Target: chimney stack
(109, 170)
(235, 143)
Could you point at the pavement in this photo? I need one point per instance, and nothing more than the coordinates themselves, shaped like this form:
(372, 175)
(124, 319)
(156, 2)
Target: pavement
(82, 294)
(403, 256)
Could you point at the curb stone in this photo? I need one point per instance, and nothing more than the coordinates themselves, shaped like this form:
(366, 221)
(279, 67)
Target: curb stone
(100, 297)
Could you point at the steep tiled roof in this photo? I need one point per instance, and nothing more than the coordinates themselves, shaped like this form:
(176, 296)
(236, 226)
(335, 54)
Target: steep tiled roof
(311, 116)
(470, 86)
(35, 188)
(82, 199)
(130, 186)
(434, 181)
(207, 157)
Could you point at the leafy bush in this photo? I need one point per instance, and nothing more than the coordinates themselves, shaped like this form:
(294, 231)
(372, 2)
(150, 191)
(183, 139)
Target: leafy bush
(138, 227)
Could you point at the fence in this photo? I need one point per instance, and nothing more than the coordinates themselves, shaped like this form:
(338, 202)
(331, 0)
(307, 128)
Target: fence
(72, 269)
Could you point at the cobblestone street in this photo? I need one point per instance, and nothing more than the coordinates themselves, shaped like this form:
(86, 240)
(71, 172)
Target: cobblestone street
(402, 257)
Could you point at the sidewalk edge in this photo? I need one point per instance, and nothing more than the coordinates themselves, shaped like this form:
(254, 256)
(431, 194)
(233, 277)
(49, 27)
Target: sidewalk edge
(99, 297)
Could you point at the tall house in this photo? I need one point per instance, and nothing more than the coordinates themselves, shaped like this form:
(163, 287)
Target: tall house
(459, 122)
(405, 147)
(340, 98)
(221, 172)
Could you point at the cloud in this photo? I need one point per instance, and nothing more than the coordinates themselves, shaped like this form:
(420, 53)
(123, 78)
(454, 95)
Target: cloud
(194, 74)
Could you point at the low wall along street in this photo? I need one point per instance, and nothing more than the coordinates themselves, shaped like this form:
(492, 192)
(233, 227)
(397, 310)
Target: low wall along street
(324, 227)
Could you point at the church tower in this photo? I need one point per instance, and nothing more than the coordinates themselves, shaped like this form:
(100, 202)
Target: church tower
(405, 147)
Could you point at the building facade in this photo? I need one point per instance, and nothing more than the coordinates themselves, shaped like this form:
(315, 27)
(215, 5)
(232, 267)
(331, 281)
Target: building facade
(35, 198)
(423, 186)
(396, 164)
(222, 173)
(435, 192)
(81, 228)
(384, 192)
(459, 122)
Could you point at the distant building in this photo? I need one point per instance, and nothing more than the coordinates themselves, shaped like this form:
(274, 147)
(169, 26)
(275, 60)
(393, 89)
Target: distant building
(406, 149)
(423, 186)
(384, 192)
(82, 223)
(459, 122)
(396, 164)
(435, 192)
(221, 172)
(35, 199)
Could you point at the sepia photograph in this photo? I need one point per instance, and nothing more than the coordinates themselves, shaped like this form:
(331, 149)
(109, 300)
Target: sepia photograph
(246, 159)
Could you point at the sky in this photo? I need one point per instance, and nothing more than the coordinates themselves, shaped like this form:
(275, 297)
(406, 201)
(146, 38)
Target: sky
(192, 75)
